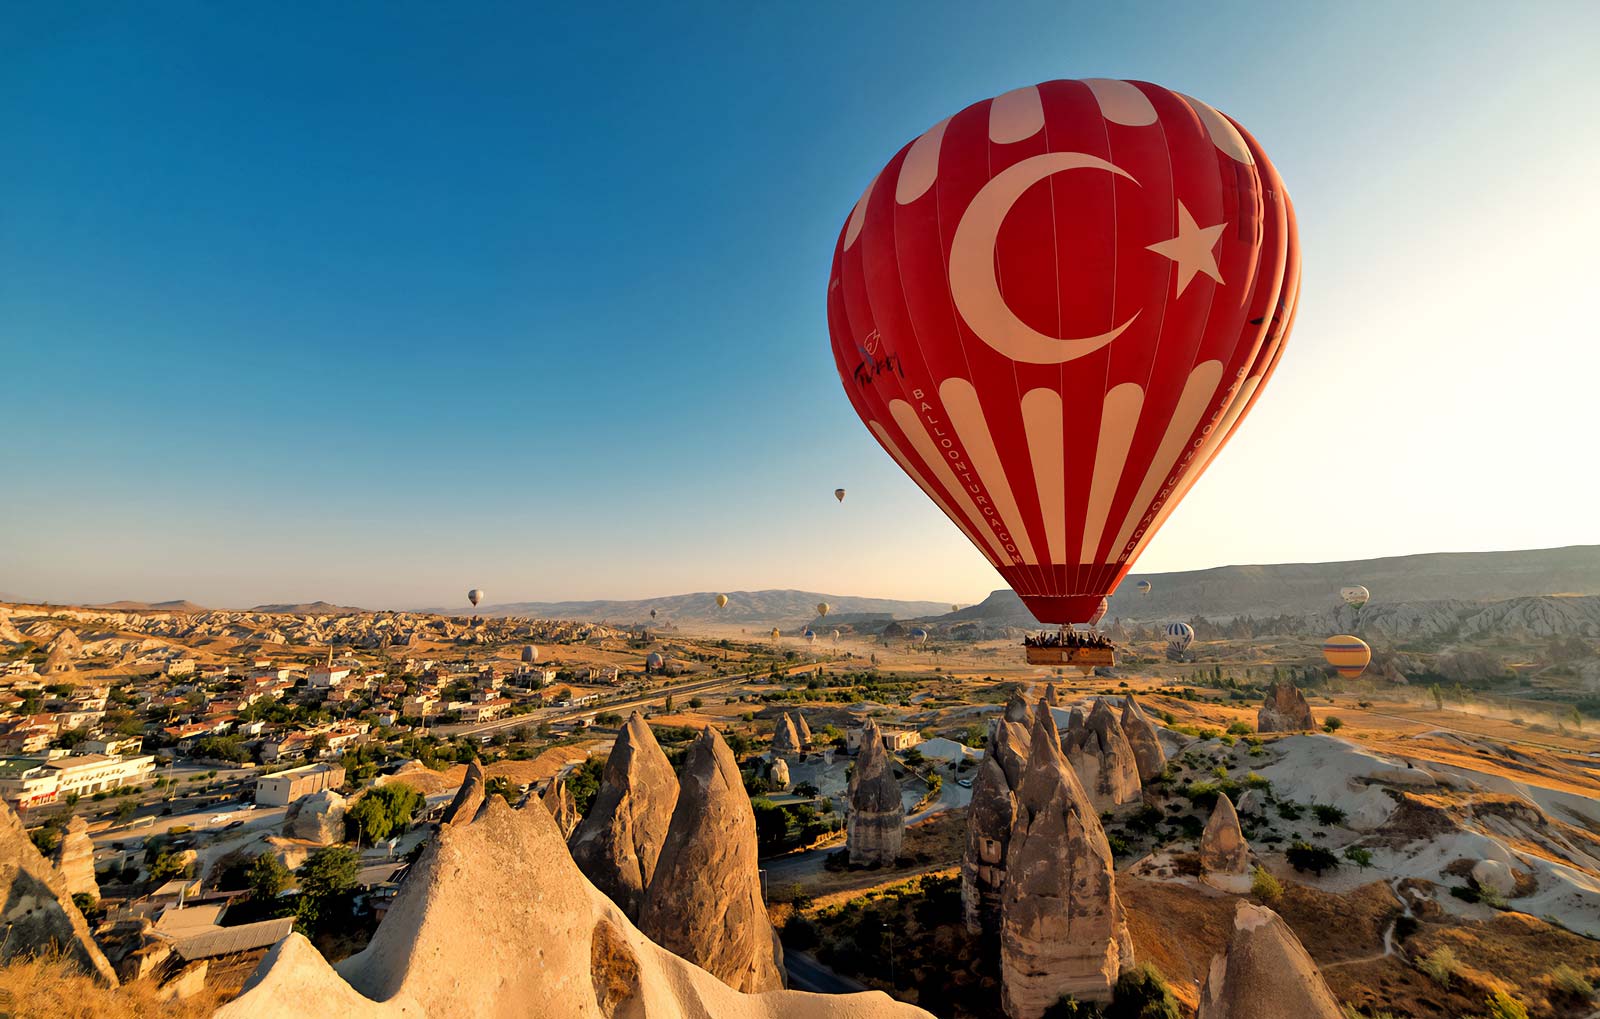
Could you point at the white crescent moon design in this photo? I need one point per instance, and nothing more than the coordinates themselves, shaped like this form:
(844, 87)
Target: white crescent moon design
(972, 280)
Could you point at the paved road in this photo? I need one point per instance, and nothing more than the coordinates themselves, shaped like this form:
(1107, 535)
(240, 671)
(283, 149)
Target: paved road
(807, 974)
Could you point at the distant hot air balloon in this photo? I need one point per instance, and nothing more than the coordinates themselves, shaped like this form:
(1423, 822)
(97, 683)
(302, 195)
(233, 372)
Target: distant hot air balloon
(530, 654)
(836, 636)
(838, 493)
(475, 596)
(1348, 655)
(1143, 587)
(1355, 595)
(919, 635)
(722, 601)
(1179, 635)
(811, 638)
(652, 662)
(822, 608)
(775, 633)
(1150, 268)
(652, 613)
(955, 608)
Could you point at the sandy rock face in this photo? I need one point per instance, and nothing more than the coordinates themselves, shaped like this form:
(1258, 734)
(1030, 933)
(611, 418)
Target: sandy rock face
(1496, 876)
(778, 774)
(877, 822)
(1285, 710)
(316, 818)
(557, 799)
(1017, 709)
(785, 737)
(1223, 849)
(1104, 760)
(495, 922)
(74, 859)
(704, 902)
(1062, 930)
(1009, 748)
(1265, 973)
(1050, 695)
(468, 798)
(983, 863)
(1148, 753)
(802, 729)
(618, 843)
(38, 914)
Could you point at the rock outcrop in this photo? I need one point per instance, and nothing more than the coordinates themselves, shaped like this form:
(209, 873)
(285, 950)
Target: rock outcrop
(316, 818)
(1104, 760)
(704, 902)
(1017, 709)
(803, 730)
(785, 738)
(618, 843)
(1265, 973)
(468, 798)
(778, 774)
(983, 864)
(557, 799)
(877, 822)
(1009, 748)
(1062, 928)
(495, 921)
(74, 859)
(1496, 876)
(39, 916)
(1050, 695)
(1148, 752)
(1285, 710)
(1223, 849)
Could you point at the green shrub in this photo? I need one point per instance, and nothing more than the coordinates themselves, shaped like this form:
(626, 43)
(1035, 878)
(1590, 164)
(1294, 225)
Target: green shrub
(1289, 810)
(1303, 856)
(1255, 781)
(1240, 729)
(1264, 886)
(1569, 981)
(1504, 1006)
(1360, 857)
(1142, 993)
(1327, 813)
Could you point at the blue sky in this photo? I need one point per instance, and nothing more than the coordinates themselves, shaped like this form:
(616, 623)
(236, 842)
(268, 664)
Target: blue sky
(376, 302)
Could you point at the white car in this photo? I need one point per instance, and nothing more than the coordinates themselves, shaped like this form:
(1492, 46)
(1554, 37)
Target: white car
(221, 818)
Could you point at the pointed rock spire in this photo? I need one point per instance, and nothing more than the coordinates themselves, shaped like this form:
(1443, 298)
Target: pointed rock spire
(1265, 973)
(1017, 708)
(1063, 930)
(557, 798)
(619, 842)
(1074, 726)
(1050, 695)
(1009, 748)
(1104, 761)
(1284, 710)
(801, 728)
(74, 859)
(1223, 849)
(704, 902)
(983, 864)
(1148, 753)
(40, 917)
(877, 822)
(468, 798)
(785, 738)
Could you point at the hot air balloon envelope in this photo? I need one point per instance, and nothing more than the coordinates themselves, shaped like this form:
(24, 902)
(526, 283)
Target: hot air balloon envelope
(530, 653)
(774, 633)
(919, 635)
(652, 660)
(1179, 635)
(1052, 310)
(722, 601)
(475, 596)
(1348, 655)
(1143, 587)
(838, 493)
(1355, 595)
(822, 608)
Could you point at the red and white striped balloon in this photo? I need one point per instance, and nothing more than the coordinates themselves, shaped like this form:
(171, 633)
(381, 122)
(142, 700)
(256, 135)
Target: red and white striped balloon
(1054, 308)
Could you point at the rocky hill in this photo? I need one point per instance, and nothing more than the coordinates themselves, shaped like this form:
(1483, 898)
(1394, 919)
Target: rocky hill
(745, 608)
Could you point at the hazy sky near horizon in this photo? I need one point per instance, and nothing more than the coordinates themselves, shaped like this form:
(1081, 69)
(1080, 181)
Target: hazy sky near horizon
(375, 302)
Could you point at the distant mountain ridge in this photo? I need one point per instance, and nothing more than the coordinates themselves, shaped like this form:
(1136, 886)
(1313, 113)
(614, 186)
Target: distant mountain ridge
(777, 607)
(1226, 592)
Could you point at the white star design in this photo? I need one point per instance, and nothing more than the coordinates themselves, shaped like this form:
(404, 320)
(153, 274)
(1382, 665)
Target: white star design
(1192, 249)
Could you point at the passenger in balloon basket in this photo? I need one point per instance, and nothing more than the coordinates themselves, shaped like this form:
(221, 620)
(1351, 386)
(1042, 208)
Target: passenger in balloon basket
(1068, 638)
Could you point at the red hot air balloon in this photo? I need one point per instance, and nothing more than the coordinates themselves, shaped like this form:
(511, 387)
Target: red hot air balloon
(1053, 309)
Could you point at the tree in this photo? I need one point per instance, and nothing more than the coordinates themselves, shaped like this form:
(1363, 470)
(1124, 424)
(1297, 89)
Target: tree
(583, 782)
(1333, 723)
(384, 809)
(267, 877)
(327, 876)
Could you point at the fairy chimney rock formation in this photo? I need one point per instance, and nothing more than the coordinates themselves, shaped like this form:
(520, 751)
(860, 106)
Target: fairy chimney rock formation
(468, 798)
(618, 844)
(1074, 733)
(74, 859)
(1148, 753)
(1285, 710)
(704, 902)
(39, 915)
(1050, 695)
(557, 798)
(1009, 748)
(1223, 849)
(983, 864)
(778, 774)
(1017, 709)
(1062, 928)
(1264, 973)
(316, 818)
(877, 821)
(1104, 760)
(802, 729)
(785, 738)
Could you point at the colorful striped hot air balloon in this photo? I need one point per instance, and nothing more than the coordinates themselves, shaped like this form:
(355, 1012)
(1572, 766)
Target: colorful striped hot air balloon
(1179, 635)
(1349, 655)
